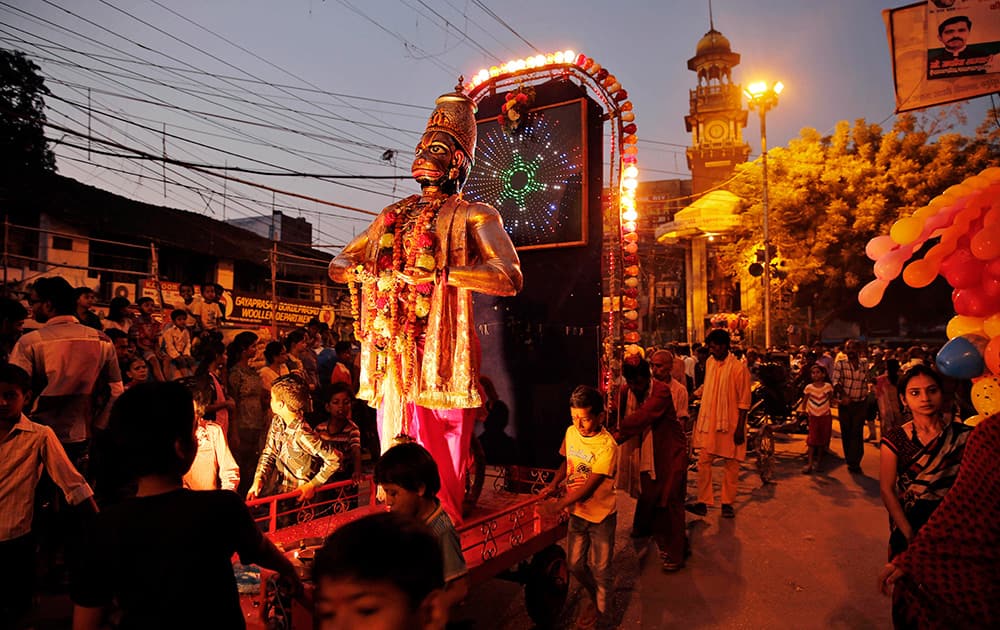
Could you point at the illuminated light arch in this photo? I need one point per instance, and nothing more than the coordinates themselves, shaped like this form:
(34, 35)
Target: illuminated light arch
(622, 262)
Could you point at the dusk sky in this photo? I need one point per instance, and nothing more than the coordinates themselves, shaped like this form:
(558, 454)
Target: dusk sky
(216, 60)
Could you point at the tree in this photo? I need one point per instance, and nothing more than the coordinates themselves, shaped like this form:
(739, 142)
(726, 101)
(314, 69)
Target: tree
(829, 195)
(23, 147)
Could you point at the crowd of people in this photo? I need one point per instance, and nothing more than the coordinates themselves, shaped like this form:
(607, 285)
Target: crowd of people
(937, 475)
(155, 430)
(280, 420)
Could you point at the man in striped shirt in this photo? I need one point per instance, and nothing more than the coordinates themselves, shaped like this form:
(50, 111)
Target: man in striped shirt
(850, 386)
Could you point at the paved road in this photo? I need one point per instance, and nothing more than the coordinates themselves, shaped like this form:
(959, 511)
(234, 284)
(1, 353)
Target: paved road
(801, 553)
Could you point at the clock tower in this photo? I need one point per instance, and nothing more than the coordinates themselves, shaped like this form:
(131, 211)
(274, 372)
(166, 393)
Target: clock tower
(717, 116)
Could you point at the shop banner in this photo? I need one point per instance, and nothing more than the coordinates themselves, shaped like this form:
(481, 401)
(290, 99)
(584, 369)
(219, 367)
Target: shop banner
(255, 309)
(245, 308)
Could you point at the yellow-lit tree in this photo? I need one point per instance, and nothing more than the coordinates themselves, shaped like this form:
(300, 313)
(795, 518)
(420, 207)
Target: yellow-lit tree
(829, 195)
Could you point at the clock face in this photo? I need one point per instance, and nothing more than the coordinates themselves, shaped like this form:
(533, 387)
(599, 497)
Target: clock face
(716, 130)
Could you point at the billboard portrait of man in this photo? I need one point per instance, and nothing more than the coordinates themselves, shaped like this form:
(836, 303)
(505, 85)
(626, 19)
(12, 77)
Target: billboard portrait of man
(953, 55)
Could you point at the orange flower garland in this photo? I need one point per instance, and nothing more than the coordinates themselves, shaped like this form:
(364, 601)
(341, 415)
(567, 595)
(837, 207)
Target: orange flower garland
(396, 312)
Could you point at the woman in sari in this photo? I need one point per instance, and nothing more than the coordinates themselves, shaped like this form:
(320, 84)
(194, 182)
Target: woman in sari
(920, 458)
(949, 575)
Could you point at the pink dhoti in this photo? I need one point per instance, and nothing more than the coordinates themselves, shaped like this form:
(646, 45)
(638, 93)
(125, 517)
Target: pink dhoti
(446, 434)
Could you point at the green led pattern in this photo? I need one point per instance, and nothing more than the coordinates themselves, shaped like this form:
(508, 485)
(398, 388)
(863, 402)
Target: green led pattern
(520, 179)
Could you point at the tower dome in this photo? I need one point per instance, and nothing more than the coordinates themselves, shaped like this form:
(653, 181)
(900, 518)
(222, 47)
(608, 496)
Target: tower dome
(713, 42)
(714, 58)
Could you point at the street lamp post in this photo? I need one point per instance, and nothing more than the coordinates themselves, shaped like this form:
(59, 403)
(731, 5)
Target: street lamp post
(763, 97)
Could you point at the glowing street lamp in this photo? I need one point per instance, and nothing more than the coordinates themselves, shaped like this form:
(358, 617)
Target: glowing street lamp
(763, 97)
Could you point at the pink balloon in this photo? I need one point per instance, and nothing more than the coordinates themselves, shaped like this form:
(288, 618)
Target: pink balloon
(879, 246)
(974, 302)
(889, 266)
(871, 293)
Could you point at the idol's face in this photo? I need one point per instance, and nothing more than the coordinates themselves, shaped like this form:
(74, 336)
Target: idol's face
(435, 155)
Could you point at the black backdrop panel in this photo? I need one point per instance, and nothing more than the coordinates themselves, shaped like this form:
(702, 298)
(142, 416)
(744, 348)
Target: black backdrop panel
(540, 344)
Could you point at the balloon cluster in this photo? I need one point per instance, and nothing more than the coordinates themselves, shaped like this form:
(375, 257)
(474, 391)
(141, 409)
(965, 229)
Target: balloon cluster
(966, 217)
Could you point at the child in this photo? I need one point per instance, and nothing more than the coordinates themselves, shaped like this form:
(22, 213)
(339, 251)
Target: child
(338, 430)
(207, 312)
(409, 477)
(345, 360)
(381, 571)
(146, 332)
(26, 449)
(211, 371)
(85, 299)
(591, 459)
(177, 343)
(818, 394)
(136, 371)
(291, 445)
(119, 315)
(214, 466)
(153, 552)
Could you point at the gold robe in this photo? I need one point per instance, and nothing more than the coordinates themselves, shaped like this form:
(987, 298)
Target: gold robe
(479, 256)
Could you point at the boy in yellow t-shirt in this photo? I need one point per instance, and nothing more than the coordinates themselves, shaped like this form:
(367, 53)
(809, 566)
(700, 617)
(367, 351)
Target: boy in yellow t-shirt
(591, 458)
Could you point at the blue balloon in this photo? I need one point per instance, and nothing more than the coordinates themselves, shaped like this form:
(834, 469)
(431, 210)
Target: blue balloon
(962, 357)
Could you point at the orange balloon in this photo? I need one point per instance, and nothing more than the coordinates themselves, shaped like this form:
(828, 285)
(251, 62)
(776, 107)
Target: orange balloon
(958, 190)
(986, 395)
(920, 273)
(973, 420)
(977, 182)
(941, 201)
(991, 325)
(964, 325)
(992, 355)
(992, 173)
(985, 244)
(871, 294)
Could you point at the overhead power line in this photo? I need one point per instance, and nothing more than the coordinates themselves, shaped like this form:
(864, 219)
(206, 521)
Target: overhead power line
(216, 75)
(141, 46)
(203, 169)
(488, 11)
(282, 173)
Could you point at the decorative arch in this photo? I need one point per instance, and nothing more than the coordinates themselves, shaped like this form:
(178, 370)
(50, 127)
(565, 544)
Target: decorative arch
(621, 271)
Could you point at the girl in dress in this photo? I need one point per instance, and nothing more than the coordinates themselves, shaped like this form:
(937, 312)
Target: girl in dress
(818, 394)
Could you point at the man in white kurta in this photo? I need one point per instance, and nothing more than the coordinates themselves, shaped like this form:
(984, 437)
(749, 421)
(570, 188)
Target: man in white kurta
(721, 427)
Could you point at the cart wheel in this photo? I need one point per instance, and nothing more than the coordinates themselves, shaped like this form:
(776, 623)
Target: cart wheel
(547, 586)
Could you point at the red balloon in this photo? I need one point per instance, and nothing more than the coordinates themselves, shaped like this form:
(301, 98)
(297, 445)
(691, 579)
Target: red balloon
(974, 302)
(958, 258)
(966, 274)
(991, 287)
(993, 268)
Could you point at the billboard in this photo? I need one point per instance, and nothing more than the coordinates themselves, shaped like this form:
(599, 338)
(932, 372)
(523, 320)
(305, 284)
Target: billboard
(943, 51)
